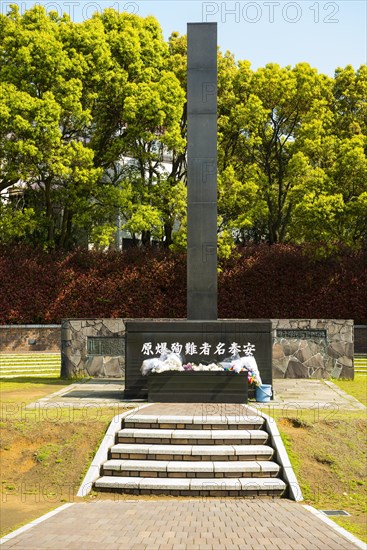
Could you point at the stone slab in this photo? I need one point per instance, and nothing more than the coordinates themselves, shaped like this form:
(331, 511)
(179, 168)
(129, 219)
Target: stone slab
(237, 466)
(136, 465)
(262, 484)
(187, 466)
(253, 450)
(223, 484)
(296, 394)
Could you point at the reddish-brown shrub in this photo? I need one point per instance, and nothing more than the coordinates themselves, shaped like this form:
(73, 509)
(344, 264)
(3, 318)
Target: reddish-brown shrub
(279, 281)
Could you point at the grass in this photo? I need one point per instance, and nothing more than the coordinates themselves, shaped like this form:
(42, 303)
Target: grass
(45, 452)
(29, 389)
(327, 450)
(40, 365)
(330, 466)
(357, 387)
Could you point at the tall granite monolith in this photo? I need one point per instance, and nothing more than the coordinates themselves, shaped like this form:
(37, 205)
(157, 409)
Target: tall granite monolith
(202, 171)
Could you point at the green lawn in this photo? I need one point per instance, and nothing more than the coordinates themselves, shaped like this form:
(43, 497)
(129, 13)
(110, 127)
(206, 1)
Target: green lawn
(44, 452)
(357, 387)
(328, 454)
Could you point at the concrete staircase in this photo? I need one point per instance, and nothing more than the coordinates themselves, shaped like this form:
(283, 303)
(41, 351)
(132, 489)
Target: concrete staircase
(30, 364)
(192, 456)
(360, 364)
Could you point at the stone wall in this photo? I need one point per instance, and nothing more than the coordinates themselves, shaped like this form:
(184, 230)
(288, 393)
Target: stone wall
(75, 360)
(315, 348)
(30, 338)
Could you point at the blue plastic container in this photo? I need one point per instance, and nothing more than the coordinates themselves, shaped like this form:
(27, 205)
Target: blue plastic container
(263, 393)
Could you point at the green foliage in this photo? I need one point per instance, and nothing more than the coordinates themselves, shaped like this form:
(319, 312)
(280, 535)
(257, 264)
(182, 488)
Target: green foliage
(16, 224)
(296, 142)
(93, 128)
(75, 98)
(47, 452)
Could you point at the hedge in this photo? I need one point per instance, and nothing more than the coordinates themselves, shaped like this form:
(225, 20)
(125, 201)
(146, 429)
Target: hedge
(279, 281)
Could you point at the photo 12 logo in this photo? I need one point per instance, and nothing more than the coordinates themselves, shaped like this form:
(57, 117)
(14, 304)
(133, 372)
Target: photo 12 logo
(75, 10)
(270, 12)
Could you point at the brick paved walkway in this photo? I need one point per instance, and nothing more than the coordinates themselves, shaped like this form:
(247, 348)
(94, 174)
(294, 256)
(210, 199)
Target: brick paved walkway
(199, 410)
(183, 524)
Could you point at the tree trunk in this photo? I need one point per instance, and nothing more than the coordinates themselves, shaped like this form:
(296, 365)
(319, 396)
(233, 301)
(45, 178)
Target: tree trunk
(168, 235)
(49, 215)
(145, 238)
(65, 241)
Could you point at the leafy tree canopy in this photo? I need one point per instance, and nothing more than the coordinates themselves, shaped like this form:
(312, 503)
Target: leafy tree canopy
(93, 130)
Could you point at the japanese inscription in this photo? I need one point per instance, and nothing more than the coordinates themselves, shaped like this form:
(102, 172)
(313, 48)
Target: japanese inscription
(302, 334)
(192, 348)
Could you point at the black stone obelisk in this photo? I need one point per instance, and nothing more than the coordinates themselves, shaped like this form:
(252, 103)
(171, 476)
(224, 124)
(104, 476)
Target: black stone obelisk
(202, 171)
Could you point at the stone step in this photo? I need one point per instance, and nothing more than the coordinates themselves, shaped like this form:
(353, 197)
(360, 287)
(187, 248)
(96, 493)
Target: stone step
(189, 469)
(201, 422)
(133, 451)
(193, 437)
(244, 487)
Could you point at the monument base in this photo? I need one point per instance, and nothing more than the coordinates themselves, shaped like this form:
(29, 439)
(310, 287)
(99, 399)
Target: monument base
(198, 387)
(198, 341)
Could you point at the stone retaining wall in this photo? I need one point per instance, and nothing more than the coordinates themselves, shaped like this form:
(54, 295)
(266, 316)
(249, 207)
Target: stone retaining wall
(315, 348)
(28, 338)
(75, 360)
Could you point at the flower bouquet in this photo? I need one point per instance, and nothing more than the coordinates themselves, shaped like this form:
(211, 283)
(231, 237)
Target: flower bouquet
(171, 361)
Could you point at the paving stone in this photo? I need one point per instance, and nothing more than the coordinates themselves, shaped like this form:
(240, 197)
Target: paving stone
(233, 526)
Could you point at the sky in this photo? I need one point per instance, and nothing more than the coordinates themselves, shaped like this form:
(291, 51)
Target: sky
(326, 34)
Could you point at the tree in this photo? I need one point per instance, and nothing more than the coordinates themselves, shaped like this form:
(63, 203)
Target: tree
(44, 124)
(259, 138)
(142, 123)
(93, 128)
(331, 195)
(83, 96)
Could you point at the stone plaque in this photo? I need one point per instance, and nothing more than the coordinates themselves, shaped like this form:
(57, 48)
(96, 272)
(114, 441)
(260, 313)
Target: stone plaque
(106, 345)
(302, 334)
